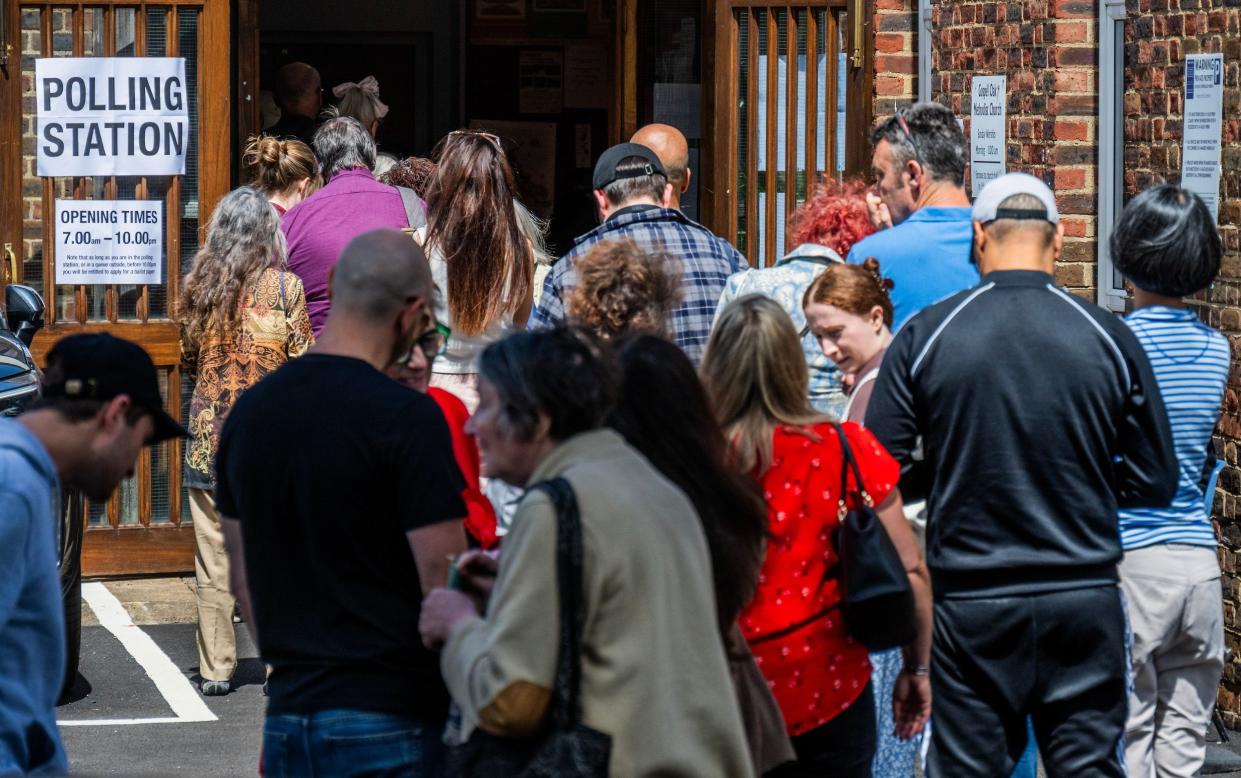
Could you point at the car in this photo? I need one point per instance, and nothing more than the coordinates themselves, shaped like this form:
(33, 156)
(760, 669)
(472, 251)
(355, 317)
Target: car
(22, 317)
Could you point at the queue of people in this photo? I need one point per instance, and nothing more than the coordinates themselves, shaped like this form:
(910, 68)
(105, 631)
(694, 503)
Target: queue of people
(619, 530)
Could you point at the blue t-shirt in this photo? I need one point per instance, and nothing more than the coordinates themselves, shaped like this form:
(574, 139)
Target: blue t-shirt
(32, 622)
(1190, 361)
(927, 256)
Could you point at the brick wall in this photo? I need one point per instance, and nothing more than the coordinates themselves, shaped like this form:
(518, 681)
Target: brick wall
(896, 63)
(1158, 35)
(1048, 50)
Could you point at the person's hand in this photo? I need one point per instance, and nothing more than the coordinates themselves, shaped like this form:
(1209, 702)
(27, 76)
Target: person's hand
(911, 704)
(877, 210)
(476, 571)
(442, 611)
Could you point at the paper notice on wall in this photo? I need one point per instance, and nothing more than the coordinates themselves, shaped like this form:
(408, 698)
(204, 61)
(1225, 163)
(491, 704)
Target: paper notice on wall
(677, 105)
(540, 82)
(988, 139)
(109, 241)
(111, 116)
(1204, 114)
(586, 77)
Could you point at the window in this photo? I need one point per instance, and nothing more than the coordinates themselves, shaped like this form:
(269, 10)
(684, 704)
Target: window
(1111, 146)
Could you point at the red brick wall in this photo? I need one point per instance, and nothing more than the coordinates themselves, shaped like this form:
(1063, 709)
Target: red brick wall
(1158, 35)
(1048, 50)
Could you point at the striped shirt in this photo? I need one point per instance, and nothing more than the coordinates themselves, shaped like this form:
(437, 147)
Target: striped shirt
(1191, 363)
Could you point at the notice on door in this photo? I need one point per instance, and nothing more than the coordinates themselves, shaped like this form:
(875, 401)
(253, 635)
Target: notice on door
(111, 116)
(1204, 114)
(109, 241)
(988, 135)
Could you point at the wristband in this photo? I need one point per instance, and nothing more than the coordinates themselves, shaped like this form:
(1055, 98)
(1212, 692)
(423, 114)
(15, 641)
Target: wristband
(923, 670)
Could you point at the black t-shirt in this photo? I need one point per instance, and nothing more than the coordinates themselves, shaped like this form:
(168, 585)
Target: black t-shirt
(328, 463)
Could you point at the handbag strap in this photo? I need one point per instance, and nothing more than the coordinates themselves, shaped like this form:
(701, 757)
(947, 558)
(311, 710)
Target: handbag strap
(567, 711)
(849, 463)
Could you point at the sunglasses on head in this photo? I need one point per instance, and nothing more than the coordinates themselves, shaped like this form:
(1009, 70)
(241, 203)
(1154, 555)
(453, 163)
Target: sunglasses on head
(909, 136)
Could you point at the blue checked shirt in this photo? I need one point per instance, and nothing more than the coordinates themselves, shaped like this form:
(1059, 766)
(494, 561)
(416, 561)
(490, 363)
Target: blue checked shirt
(706, 262)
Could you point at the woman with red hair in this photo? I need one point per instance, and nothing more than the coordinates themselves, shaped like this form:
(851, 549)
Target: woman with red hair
(824, 229)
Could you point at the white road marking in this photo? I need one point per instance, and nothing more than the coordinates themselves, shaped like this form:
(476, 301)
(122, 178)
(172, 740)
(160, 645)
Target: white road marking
(176, 689)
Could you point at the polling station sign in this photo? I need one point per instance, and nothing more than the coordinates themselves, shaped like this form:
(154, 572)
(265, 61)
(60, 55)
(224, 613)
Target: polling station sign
(109, 241)
(111, 116)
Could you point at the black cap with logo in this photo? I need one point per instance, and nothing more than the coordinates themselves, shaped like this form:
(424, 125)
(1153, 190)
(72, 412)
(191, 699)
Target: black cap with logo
(605, 168)
(101, 367)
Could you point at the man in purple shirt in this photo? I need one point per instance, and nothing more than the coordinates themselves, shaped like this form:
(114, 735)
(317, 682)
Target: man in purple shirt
(351, 203)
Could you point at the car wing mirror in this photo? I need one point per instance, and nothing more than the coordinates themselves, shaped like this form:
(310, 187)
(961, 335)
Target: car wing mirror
(25, 309)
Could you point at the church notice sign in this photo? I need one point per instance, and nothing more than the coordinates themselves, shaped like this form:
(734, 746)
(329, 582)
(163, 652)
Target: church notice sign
(111, 116)
(109, 241)
(1204, 116)
(988, 96)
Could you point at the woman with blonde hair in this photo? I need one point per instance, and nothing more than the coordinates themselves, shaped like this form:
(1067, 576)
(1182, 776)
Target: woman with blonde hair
(481, 262)
(284, 171)
(242, 316)
(755, 374)
(361, 101)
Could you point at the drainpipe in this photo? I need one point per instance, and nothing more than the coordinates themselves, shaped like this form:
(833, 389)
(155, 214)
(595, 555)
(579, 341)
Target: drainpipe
(924, 50)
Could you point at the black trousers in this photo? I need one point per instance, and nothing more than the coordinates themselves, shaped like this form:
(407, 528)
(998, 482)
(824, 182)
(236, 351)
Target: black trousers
(1057, 657)
(842, 748)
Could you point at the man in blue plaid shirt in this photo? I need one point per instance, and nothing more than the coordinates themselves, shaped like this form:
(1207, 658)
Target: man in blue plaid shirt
(634, 198)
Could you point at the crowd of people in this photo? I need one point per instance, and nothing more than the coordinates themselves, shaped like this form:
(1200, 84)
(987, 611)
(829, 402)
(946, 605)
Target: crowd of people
(616, 516)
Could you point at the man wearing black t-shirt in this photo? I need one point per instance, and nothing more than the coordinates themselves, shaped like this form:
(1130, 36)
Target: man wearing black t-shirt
(341, 505)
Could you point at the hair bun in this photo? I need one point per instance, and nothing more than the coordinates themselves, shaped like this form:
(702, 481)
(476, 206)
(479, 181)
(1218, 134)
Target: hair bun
(871, 264)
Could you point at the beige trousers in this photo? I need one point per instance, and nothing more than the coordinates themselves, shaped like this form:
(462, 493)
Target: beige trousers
(1175, 607)
(217, 643)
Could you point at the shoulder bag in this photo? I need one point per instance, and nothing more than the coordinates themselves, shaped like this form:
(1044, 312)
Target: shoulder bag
(565, 747)
(877, 598)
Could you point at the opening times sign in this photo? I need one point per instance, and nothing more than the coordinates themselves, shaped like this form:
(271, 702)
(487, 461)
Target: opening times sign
(109, 241)
(111, 116)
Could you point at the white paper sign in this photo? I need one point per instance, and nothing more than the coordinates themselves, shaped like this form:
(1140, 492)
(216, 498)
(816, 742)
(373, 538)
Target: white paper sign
(1204, 113)
(988, 98)
(109, 241)
(111, 116)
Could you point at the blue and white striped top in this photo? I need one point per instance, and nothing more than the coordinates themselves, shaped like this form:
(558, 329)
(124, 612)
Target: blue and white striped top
(1191, 363)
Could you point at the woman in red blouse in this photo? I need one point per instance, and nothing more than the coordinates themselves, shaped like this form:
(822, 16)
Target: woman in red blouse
(756, 376)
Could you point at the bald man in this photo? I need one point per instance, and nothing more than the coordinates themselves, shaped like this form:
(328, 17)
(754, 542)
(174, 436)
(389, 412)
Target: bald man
(673, 151)
(299, 95)
(341, 503)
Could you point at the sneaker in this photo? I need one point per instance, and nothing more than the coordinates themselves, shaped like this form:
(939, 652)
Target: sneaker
(215, 688)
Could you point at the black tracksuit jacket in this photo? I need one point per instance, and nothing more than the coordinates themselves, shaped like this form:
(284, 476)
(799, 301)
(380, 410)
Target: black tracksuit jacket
(1038, 416)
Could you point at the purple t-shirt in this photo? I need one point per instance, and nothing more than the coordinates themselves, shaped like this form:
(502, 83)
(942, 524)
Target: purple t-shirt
(319, 227)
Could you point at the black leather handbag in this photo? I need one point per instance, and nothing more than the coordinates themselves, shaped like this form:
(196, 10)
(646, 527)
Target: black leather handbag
(877, 598)
(566, 747)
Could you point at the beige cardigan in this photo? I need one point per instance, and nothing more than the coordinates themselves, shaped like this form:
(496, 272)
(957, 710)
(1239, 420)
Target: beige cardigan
(654, 674)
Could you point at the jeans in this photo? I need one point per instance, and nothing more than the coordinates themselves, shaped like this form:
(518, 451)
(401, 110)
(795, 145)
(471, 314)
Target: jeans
(350, 743)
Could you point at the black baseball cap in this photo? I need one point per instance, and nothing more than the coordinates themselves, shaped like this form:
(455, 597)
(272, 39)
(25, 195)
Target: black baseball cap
(100, 366)
(605, 168)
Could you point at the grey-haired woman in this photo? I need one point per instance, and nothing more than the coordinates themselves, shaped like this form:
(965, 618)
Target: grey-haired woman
(243, 314)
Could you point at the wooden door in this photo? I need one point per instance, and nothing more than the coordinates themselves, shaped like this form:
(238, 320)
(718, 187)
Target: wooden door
(145, 526)
(788, 101)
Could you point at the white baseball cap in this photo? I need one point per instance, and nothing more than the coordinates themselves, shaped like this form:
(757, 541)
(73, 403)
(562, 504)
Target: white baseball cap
(987, 206)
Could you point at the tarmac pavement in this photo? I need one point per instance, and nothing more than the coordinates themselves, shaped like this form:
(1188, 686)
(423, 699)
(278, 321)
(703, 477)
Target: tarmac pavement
(137, 710)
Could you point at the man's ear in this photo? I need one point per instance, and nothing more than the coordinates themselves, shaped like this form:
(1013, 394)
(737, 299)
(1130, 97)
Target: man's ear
(112, 415)
(669, 198)
(602, 204)
(980, 242)
(1057, 242)
(688, 175)
(915, 171)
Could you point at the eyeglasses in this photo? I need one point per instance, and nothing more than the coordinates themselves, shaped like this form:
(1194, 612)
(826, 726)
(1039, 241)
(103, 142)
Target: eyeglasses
(432, 343)
(909, 136)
